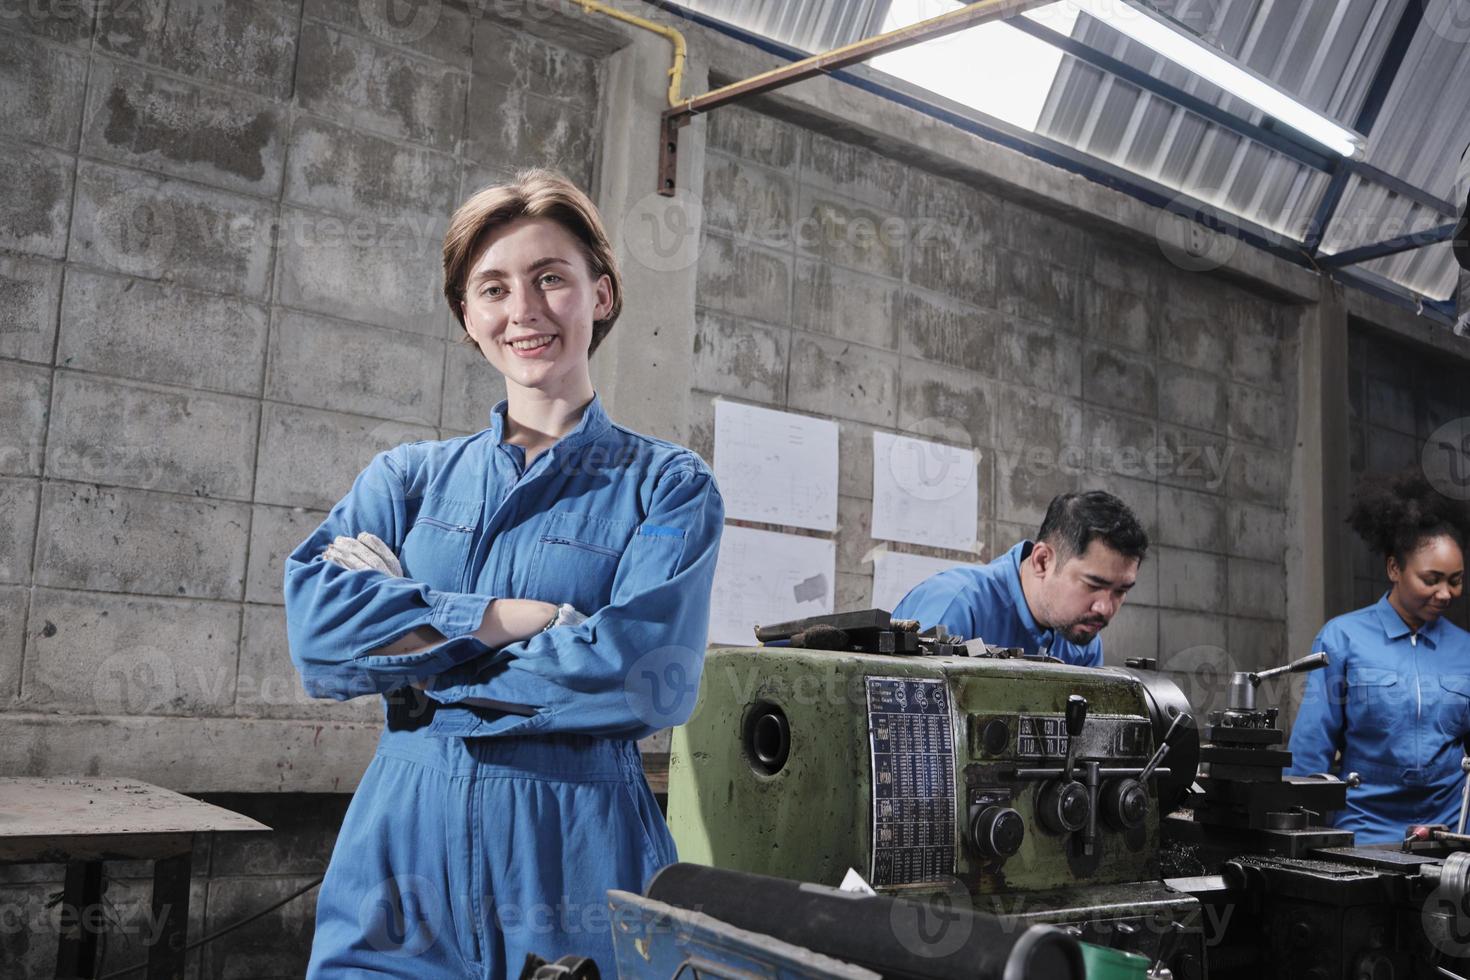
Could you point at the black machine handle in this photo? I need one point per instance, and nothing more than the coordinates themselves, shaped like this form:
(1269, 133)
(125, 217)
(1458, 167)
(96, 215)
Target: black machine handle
(1314, 661)
(1075, 718)
(1181, 720)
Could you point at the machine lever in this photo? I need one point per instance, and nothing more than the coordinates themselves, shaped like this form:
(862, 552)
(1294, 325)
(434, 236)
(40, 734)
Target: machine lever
(1464, 796)
(1075, 717)
(1181, 720)
(1311, 662)
(1243, 684)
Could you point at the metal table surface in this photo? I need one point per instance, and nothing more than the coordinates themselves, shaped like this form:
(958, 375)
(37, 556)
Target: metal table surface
(82, 822)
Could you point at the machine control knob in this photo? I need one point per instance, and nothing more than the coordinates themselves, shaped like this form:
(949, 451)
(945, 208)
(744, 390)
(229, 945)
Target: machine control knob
(997, 831)
(1124, 804)
(1063, 806)
(1075, 715)
(995, 736)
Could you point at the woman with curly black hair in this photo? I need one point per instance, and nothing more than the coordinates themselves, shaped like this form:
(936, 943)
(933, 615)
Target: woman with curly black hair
(1394, 700)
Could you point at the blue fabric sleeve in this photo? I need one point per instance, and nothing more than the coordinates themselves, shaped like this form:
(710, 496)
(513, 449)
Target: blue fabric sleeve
(1317, 735)
(335, 616)
(633, 667)
(935, 601)
(1092, 654)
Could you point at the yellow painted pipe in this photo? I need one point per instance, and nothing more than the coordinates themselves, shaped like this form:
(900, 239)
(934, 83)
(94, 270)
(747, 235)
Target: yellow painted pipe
(676, 71)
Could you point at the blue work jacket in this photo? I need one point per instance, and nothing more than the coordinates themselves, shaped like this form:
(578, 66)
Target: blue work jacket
(1396, 705)
(620, 525)
(986, 601)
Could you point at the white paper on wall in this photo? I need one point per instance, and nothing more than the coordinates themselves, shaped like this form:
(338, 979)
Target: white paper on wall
(776, 467)
(924, 492)
(763, 578)
(894, 574)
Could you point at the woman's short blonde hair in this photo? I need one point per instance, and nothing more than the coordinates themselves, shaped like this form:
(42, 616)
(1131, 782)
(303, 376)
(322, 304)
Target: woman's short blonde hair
(531, 194)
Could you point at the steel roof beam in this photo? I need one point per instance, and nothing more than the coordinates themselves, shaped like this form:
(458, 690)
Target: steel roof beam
(1301, 149)
(1383, 78)
(1391, 246)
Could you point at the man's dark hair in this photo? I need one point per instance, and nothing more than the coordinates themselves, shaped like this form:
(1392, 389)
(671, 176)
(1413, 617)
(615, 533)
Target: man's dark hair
(1075, 520)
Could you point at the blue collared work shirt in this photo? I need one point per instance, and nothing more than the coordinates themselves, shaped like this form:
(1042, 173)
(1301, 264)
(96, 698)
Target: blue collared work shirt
(987, 601)
(620, 525)
(465, 854)
(1396, 705)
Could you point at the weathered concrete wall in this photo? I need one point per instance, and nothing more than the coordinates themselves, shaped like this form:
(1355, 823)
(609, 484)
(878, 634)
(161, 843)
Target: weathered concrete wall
(840, 281)
(1404, 403)
(219, 296)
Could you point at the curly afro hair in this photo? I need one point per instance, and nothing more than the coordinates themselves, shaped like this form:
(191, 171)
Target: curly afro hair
(1397, 513)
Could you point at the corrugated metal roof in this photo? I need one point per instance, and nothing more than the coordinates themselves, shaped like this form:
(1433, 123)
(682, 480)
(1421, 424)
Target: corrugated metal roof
(1323, 52)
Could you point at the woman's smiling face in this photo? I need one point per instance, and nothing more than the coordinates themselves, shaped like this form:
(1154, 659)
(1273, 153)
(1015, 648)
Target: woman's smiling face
(1432, 577)
(530, 302)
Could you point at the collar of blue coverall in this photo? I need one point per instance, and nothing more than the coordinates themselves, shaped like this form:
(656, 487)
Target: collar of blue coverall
(1018, 553)
(1395, 627)
(593, 424)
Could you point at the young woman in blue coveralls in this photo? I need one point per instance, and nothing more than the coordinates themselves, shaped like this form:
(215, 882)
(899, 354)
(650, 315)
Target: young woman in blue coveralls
(532, 599)
(1394, 700)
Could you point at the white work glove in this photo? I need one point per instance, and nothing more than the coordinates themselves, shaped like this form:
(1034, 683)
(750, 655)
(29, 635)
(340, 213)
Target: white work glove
(364, 551)
(565, 616)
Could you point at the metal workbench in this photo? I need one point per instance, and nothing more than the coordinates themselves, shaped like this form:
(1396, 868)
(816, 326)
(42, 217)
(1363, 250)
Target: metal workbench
(83, 822)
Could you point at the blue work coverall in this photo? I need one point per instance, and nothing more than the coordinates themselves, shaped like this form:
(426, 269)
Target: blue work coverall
(500, 808)
(1396, 704)
(986, 601)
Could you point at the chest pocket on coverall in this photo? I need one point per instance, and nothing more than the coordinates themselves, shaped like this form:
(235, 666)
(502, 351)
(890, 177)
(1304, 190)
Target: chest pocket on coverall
(577, 559)
(1454, 704)
(1375, 701)
(436, 549)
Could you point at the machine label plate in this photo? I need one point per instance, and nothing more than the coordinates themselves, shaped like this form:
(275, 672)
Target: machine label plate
(913, 780)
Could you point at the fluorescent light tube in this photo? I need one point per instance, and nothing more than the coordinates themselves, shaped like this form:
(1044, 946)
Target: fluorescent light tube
(1152, 30)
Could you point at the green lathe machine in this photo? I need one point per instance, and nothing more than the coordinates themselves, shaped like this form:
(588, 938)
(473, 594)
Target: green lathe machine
(1044, 793)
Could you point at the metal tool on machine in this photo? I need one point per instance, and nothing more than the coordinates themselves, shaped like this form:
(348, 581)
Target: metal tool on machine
(1090, 799)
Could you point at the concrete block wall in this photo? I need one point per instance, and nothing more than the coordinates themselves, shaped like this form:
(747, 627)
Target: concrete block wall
(838, 281)
(219, 297)
(1399, 394)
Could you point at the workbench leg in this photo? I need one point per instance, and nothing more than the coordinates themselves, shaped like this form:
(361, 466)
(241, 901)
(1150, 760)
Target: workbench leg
(171, 912)
(81, 897)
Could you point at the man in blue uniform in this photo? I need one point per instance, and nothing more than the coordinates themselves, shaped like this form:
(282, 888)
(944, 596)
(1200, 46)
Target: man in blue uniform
(1050, 596)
